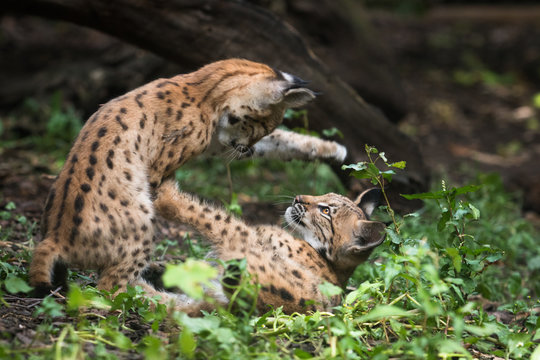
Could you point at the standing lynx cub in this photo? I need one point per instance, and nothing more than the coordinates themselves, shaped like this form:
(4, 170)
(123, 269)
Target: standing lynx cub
(99, 213)
(335, 236)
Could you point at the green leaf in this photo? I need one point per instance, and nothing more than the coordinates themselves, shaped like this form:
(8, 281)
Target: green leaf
(356, 167)
(516, 341)
(486, 330)
(75, 298)
(451, 347)
(474, 212)
(394, 237)
(50, 308)
(120, 340)
(442, 193)
(445, 217)
(190, 276)
(371, 149)
(453, 253)
(536, 100)
(15, 285)
(390, 272)
(153, 348)
(384, 311)
(387, 175)
(199, 325)
(224, 335)
(331, 132)
(536, 353)
(329, 289)
(10, 206)
(425, 195)
(362, 289)
(466, 189)
(187, 343)
(399, 164)
(301, 354)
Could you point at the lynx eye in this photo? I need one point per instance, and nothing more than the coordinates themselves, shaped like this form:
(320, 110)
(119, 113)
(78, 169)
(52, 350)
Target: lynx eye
(324, 209)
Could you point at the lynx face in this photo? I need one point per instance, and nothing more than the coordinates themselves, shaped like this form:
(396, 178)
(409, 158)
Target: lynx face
(337, 227)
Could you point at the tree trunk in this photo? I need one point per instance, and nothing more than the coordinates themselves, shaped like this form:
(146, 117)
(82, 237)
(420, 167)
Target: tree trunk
(195, 32)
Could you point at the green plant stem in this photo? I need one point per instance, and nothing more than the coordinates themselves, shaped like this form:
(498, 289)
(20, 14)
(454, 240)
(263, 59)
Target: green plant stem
(229, 180)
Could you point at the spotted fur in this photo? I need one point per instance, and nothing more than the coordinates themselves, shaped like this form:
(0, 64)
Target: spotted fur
(100, 214)
(335, 236)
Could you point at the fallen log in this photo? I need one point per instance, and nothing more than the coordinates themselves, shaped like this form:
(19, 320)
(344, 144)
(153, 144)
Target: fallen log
(197, 32)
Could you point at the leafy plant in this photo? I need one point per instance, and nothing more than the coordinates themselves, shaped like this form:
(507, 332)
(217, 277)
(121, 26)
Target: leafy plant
(420, 297)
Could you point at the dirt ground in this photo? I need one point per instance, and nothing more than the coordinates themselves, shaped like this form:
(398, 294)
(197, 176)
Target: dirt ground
(470, 80)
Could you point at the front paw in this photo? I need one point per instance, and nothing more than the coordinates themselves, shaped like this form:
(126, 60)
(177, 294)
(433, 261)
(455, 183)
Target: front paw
(341, 153)
(335, 152)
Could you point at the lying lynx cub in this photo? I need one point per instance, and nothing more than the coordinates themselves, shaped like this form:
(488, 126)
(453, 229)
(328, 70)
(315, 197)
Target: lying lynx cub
(336, 236)
(100, 214)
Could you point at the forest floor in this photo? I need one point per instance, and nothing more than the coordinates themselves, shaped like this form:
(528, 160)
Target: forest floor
(471, 108)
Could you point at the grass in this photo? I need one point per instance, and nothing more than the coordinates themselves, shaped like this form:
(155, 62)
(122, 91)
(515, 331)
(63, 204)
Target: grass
(421, 296)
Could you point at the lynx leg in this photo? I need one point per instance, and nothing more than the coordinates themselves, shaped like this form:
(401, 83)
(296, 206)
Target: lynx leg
(47, 270)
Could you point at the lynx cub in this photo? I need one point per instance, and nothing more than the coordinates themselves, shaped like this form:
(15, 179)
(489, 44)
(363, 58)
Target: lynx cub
(335, 236)
(100, 214)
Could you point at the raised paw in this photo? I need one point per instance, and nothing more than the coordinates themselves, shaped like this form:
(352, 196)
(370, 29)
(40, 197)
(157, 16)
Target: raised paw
(341, 153)
(334, 151)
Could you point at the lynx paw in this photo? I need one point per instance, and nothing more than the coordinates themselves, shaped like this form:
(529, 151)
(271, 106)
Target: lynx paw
(341, 153)
(167, 189)
(334, 151)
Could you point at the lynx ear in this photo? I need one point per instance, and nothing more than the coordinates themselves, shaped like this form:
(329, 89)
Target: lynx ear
(368, 234)
(295, 92)
(369, 200)
(297, 97)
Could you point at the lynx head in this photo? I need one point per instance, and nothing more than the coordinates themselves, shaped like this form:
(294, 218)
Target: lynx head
(338, 228)
(250, 99)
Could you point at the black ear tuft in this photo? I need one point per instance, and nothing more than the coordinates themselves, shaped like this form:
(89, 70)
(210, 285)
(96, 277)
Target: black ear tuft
(296, 83)
(369, 200)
